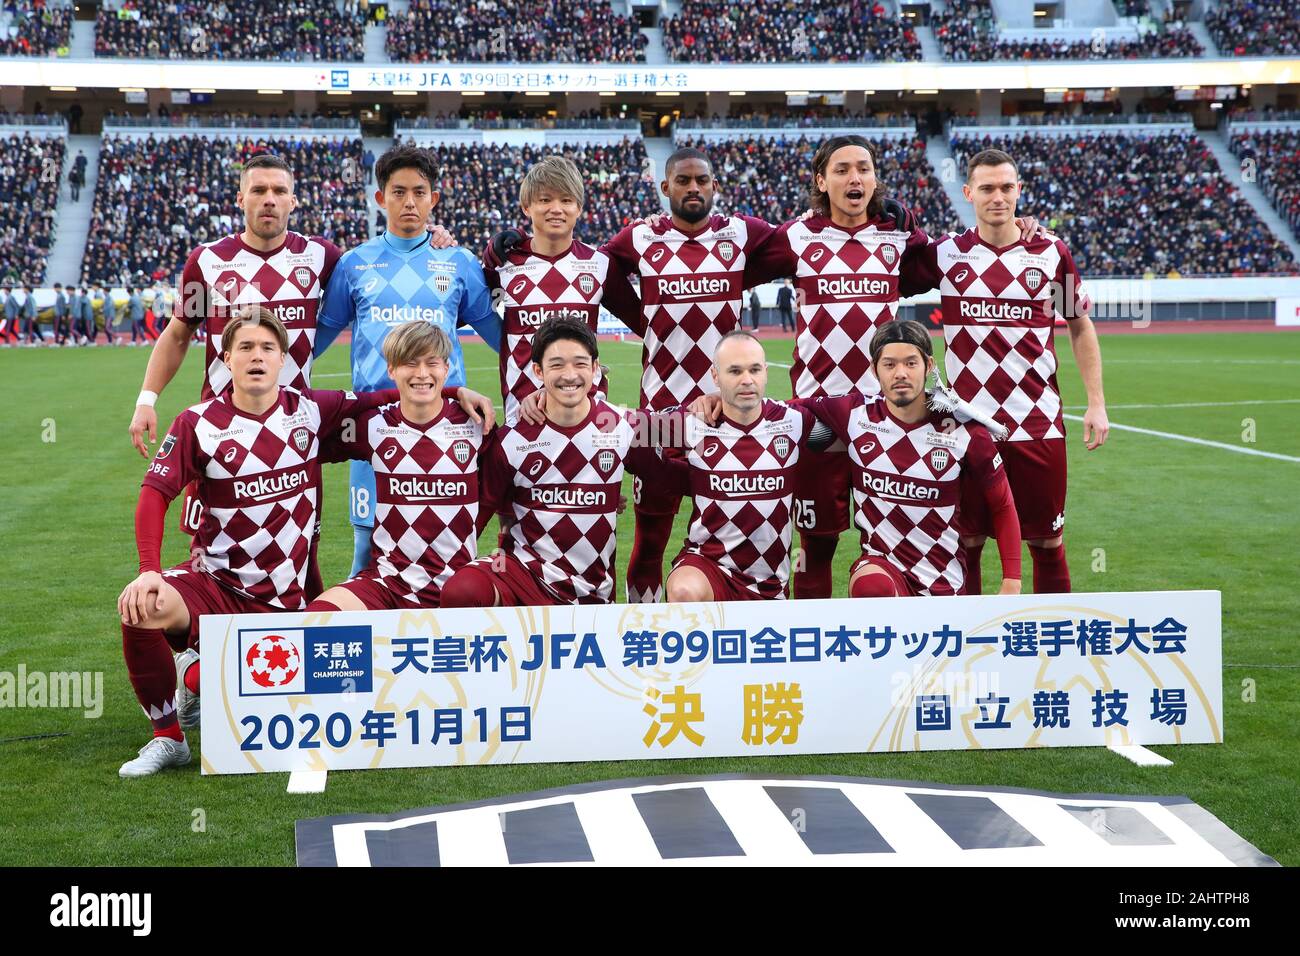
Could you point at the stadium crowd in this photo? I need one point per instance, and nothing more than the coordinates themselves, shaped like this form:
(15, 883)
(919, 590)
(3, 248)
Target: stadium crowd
(534, 31)
(1276, 158)
(1255, 27)
(156, 199)
(30, 172)
(777, 31)
(34, 28)
(480, 187)
(768, 177)
(291, 30)
(1129, 204)
(969, 31)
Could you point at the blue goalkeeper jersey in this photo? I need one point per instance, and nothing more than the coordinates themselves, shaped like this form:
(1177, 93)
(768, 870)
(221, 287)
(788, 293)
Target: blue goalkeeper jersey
(388, 281)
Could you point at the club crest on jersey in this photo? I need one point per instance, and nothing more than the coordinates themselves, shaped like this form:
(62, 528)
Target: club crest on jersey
(166, 447)
(302, 276)
(586, 284)
(1033, 279)
(605, 461)
(441, 282)
(726, 251)
(939, 459)
(301, 438)
(889, 254)
(781, 446)
(461, 451)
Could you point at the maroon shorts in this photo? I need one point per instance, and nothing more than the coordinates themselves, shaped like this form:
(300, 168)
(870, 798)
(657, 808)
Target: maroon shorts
(821, 492)
(203, 594)
(902, 586)
(1036, 473)
(723, 585)
(652, 498)
(515, 584)
(369, 588)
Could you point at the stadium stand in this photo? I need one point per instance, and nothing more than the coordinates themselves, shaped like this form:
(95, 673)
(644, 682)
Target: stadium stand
(769, 176)
(290, 30)
(30, 173)
(535, 31)
(778, 31)
(34, 28)
(157, 197)
(1276, 157)
(1255, 27)
(970, 31)
(1136, 204)
(480, 187)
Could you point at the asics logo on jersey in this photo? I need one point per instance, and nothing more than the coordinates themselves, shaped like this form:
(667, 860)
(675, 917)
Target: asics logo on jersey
(710, 450)
(817, 254)
(230, 454)
(519, 287)
(960, 275)
(389, 452)
(370, 285)
(658, 254)
(535, 468)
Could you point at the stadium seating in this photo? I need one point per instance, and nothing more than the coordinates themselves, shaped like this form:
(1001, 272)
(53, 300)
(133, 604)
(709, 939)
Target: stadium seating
(776, 31)
(480, 187)
(1129, 204)
(1255, 27)
(1276, 157)
(289, 30)
(534, 31)
(32, 28)
(969, 31)
(157, 198)
(30, 173)
(769, 177)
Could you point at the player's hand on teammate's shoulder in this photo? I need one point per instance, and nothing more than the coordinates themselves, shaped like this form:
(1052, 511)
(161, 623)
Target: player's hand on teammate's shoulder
(707, 408)
(439, 237)
(140, 599)
(532, 408)
(478, 406)
(1096, 427)
(145, 420)
(1031, 228)
(504, 242)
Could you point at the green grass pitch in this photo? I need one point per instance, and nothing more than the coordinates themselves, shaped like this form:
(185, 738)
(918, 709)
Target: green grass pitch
(1167, 513)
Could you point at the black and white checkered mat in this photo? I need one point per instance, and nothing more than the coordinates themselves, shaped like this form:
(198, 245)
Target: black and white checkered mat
(738, 820)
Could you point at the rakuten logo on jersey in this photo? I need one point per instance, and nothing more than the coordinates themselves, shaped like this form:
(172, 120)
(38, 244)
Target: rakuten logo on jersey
(426, 488)
(267, 487)
(397, 314)
(984, 311)
(535, 317)
(569, 497)
(692, 288)
(740, 484)
(898, 489)
(856, 287)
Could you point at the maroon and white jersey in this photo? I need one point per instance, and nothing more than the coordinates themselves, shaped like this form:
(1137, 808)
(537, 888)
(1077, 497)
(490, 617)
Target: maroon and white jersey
(692, 285)
(907, 484)
(426, 495)
(259, 476)
(223, 276)
(742, 481)
(534, 288)
(999, 311)
(562, 485)
(848, 286)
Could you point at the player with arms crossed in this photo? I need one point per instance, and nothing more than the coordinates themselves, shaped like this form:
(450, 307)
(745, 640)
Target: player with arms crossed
(1001, 295)
(396, 278)
(424, 450)
(559, 481)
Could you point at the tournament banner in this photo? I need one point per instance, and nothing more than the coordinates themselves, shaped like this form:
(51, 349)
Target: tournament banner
(372, 689)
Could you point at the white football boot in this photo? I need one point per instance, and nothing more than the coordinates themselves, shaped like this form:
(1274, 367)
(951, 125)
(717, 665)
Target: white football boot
(158, 754)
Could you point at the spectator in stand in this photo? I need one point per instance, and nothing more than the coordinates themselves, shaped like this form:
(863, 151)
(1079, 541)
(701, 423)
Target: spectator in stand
(1255, 27)
(29, 184)
(35, 28)
(784, 31)
(1275, 159)
(524, 31)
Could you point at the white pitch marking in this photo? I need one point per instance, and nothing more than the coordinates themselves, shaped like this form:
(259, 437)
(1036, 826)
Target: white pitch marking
(1195, 441)
(1140, 755)
(307, 781)
(762, 830)
(1260, 401)
(616, 832)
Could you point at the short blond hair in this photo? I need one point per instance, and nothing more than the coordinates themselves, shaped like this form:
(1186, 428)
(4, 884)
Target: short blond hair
(556, 174)
(412, 340)
(253, 315)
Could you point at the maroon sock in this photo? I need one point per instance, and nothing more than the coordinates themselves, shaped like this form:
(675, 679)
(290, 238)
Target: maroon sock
(813, 580)
(468, 587)
(974, 573)
(873, 585)
(645, 569)
(152, 669)
(1051, 573)
(320, 604)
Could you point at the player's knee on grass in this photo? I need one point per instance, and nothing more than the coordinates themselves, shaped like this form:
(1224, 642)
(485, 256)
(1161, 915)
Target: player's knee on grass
(686, 585)
(872, 583)
(469, 587)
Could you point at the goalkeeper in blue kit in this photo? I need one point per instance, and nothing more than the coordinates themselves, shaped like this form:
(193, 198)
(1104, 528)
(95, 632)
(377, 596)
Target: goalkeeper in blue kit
(396, 278)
